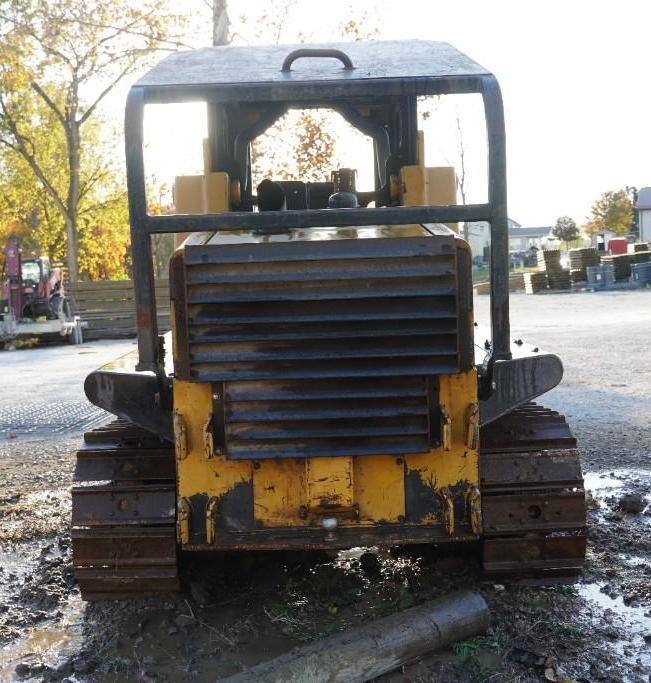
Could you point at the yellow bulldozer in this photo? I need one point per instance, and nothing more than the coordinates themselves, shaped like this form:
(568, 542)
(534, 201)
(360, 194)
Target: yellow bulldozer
(323, 388)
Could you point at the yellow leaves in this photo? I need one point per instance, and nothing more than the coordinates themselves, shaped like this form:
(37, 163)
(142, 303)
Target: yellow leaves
(103, 248)
(613, 212)
(300, 145)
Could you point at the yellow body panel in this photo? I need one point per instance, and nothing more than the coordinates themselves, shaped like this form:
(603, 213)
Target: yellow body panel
(279, 492)
(380, 488)
(196, 473)
(429, 185)
(360, 491)
(296, 492)
(329, 482)
(441, 469)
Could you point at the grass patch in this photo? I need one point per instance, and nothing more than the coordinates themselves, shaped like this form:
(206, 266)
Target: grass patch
(468, 648)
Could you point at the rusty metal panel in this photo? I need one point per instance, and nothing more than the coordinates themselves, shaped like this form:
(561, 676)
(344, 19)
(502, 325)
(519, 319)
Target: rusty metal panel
(308, 538)
(560, 555)
(123, 465)
(530, 470)
(133, 504)
(527, 427)
(126, 583)
(257, 310)
(546, 511)
(125, 547)
(299, 331)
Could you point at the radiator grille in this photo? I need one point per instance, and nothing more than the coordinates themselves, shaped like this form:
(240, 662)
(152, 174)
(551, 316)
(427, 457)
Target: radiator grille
(320, 348)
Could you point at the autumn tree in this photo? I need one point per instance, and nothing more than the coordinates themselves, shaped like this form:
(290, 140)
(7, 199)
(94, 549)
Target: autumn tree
(28, 211)
(565, 229)
(67, 56)
(301, 144)
(613, 212)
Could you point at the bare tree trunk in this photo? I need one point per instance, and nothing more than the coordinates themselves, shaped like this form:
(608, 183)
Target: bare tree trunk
(72, 202)
(461, 179)
(220, 22)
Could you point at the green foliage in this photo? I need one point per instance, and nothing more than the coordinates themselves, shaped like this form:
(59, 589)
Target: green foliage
(468, 648)
(613, 212)
(565, 229)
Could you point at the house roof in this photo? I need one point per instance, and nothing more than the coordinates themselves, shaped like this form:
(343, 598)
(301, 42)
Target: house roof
(542, 231)
(227, 68)
(644, 198)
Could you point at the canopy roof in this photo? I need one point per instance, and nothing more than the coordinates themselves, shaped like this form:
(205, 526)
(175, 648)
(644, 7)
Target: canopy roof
(413, 65)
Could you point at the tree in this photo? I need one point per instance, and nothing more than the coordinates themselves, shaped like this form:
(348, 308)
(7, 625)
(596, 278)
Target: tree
(28, 211)
(220, 23)
(300, 145)
(613, 212)
(565, 229)
(67, 57)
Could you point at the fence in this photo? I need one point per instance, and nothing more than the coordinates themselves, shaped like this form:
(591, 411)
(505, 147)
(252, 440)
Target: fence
(109, 307)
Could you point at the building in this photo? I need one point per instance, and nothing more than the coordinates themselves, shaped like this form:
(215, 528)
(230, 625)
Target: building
(522, 239)
(479, 236)
(643, 206)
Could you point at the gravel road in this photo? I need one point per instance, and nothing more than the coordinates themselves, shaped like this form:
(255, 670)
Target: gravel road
(244, 610)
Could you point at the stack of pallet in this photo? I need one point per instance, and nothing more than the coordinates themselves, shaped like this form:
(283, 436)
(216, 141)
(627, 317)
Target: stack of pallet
(535, 282)
(621, 263)
(580, 259)
(550, 262)
(641, 246)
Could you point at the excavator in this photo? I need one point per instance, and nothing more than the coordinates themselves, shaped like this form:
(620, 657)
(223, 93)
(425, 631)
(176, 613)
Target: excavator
(325, 386)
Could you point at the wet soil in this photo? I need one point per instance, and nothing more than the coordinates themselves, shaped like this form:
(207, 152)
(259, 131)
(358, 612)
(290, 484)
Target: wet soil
(238, 610)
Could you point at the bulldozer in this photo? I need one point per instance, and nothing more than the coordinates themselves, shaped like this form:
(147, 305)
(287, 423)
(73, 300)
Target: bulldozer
(325, 386)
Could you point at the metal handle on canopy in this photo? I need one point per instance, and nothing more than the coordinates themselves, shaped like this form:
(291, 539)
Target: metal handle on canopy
(316, 52)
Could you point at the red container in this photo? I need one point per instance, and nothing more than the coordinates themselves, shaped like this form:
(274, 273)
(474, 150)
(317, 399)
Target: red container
(617, 245)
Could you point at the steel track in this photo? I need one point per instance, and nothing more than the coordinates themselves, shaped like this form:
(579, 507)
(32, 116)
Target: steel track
(123, 511)
(123, 514)
(533, 500)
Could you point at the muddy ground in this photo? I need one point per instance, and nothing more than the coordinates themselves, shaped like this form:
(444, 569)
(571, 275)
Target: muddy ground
(237, 611)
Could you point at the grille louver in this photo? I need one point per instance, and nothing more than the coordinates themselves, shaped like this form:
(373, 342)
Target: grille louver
(322, 347)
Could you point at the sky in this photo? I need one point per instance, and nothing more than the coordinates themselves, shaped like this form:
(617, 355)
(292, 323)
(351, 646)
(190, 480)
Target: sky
(574, 75)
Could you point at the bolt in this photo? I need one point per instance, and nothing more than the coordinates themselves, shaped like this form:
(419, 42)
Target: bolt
(329, 523)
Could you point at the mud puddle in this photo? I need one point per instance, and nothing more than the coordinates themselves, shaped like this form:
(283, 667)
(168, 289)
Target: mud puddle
(34, 515)
(46, 645)
(603, 483)
(631, 625)
(614, 491)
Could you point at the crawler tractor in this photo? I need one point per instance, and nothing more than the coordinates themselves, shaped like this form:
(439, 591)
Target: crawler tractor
(323, 387)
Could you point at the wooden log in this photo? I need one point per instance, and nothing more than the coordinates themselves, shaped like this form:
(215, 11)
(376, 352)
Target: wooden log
(362, 653)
